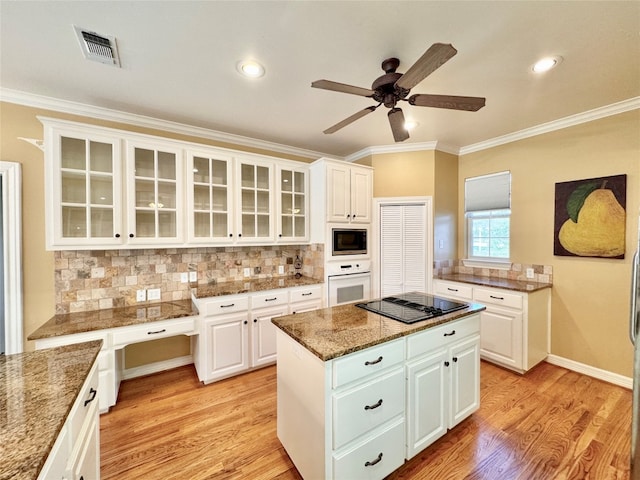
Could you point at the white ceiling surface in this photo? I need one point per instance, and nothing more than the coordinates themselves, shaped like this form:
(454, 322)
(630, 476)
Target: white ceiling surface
(179, 63)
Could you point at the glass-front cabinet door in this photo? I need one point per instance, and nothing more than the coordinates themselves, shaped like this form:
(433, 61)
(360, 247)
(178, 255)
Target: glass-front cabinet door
(154, 190)
(292, 204)
(209, 197)
(255, 181)
(85, 182)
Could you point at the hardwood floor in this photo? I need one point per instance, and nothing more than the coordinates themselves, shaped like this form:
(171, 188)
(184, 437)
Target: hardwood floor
(549, 424)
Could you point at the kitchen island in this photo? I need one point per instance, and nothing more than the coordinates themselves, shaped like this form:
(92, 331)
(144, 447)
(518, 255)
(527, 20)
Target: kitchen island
(358, 393)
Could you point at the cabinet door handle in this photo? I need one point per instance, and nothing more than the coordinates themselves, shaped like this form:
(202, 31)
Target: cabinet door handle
(131, 235)
(306, 294)
(348, 215)
(452, 289)
(374, 361)
(354, 216)
(497, 298)
(92, 392)
(270, 299)
(455, 359)
(239, 234)
(377, 460)
(453, 332)
(255, 320)
(374, 406)
(227, 306)
(280, 235)
(117, 235)
(446, 364)
(231, 234)
(157, 331)
(245, 322)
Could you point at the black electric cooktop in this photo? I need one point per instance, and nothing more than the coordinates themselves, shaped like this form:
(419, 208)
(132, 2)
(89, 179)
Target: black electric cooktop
(412, 307)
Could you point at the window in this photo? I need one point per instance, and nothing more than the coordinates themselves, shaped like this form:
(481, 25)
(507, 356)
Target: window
(488, 214)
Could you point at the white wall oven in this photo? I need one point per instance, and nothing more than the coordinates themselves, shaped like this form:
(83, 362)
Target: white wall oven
(348, 282)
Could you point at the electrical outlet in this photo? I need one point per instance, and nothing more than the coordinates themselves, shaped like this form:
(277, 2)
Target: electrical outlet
(247, 272)
(184, 277)
(141, 295)
(257, 270)
(193, 276)
(530, 273)
(153, 294)
(280, 269)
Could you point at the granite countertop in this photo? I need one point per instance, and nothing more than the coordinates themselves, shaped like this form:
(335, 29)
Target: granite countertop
(255, 285)
(37, 391)
(333, 332)
(496, 282)
(79, 322)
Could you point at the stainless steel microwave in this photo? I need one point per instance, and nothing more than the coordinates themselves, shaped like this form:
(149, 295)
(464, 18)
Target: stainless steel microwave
(349, 241)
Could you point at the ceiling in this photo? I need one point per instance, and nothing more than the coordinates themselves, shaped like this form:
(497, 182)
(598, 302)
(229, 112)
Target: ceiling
(179, 61)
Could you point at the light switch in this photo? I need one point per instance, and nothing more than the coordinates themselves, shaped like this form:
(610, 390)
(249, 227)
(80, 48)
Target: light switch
(247, 272)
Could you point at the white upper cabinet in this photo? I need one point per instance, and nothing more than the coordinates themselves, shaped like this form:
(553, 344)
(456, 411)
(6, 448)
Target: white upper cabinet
(109, 188)
(155, 193)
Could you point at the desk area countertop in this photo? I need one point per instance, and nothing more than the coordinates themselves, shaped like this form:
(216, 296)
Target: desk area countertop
(252, 285)
(38, 390)
(524, 286)
(333, 332)
(80, 322)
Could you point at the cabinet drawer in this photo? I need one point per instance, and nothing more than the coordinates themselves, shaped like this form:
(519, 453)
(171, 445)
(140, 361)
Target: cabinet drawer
(304, 294)
(86, 398)
(450, 289)
(368, 406)
(367, 362)
(269, 299)
(153, 330)
(497, 297)
(442, 335)
(224, 305)
(374, 458)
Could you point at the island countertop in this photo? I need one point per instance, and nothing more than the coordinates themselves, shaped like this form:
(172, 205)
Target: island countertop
(333, 332)
(38, 390)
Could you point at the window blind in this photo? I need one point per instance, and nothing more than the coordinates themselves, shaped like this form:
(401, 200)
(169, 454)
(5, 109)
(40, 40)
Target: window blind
(488, 192)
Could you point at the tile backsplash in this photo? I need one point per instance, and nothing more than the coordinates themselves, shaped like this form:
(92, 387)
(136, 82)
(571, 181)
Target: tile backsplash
(96, 279)
(541, 273)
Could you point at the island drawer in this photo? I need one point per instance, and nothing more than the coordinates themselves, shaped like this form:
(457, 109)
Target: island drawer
(269, 299)
(454, 290)
(303, 294)
(361, 409)
(153, 330)
(224, 305)
(367, 362)
(497, 297)
(375, 457)
(442, 335)
(86, 398)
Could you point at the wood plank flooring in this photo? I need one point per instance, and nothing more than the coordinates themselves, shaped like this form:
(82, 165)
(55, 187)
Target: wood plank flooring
(548, 424)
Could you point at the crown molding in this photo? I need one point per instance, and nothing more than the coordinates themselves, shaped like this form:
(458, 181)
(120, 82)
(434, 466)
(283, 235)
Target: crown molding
(570, 121)
(75, 108)
(395, 148)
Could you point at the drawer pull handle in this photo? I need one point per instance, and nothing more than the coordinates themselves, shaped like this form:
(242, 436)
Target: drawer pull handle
(270, 299)
(497, 298)
(92, 392)
(374, 362)
(307, 294)
(452, 289)
(227, 306)
(453, 332)
(157, 331)
(377, 460)
(374, 406)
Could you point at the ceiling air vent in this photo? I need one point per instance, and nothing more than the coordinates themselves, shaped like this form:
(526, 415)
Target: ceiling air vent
(97, 47)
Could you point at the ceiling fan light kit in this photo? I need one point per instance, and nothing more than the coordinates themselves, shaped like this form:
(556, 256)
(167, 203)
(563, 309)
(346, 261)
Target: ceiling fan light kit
(393, 87)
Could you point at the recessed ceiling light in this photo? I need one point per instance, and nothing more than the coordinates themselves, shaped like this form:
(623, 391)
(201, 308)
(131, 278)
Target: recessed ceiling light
(410, 125)
(250, 68)
(546, 64)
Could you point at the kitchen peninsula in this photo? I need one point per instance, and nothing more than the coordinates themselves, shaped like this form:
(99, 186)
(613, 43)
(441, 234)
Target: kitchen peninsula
(358, 393)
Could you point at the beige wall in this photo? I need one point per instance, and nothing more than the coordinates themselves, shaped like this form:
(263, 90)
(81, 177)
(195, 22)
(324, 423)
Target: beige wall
(445, 200)
(590, 296)
(403, 174)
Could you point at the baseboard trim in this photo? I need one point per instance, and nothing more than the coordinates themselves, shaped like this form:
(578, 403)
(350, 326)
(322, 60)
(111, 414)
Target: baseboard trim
(156, 367)
(594, 372)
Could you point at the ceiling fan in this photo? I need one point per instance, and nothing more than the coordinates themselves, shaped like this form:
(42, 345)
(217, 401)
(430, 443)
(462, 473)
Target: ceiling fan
(393, 87)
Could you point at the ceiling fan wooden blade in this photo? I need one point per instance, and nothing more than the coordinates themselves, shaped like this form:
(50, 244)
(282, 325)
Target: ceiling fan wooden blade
(342, 87)
(396, 119)
(350, 119)
(431, 60)
(471, 104)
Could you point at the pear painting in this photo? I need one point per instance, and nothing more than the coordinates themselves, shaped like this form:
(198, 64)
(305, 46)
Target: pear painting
(591, 218)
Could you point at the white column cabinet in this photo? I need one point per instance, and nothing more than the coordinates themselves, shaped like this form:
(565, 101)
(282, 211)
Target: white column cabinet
(349, 193)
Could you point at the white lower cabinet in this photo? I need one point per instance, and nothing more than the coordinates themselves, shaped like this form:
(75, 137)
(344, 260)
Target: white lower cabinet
(236, 333)
(361, 415)
(443, 380)
(514, 327)
(76, 452)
